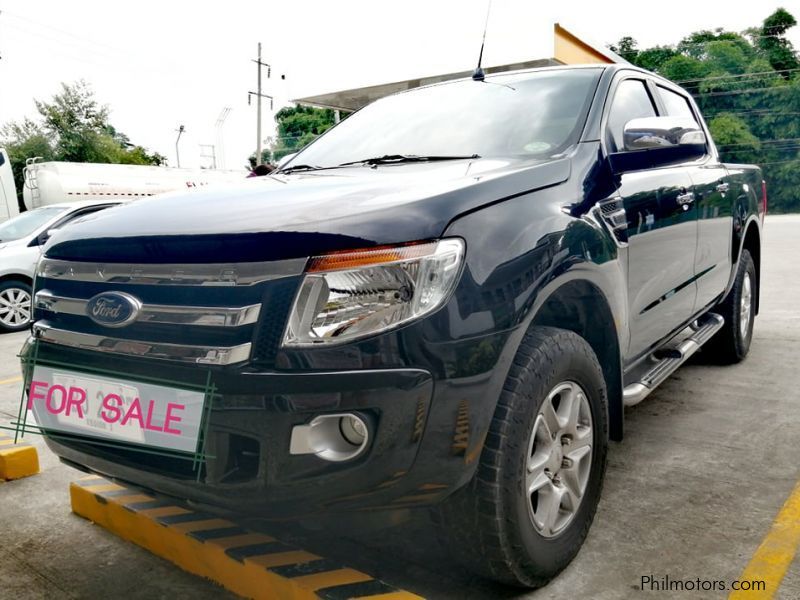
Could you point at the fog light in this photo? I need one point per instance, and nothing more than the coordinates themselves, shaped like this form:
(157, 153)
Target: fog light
(336, 437)
(353, 429)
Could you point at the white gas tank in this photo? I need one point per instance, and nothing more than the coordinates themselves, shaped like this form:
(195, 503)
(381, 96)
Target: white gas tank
(9, 208)
(55, 182)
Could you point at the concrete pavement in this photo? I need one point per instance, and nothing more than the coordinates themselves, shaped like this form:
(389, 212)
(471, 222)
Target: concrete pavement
(707, 462)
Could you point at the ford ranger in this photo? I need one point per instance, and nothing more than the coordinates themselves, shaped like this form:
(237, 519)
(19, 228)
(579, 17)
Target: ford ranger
(446, 301)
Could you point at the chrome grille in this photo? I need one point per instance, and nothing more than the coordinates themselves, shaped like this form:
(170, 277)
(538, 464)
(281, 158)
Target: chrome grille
(198, 314)
(218, 274)
(204, 355)
(158, 313)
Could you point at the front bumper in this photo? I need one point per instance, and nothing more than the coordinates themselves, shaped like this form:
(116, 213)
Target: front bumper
(249, 469)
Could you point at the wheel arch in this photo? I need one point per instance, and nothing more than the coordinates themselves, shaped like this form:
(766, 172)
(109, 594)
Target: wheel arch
(581, 307)
(16, 277)
(752, 243)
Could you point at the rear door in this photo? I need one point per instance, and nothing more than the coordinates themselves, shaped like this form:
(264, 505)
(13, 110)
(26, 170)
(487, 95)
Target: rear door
(661, 227)
(714, 206)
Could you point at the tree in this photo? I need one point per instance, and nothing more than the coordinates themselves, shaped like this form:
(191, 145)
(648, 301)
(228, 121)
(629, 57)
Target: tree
(298, 126)
(732, 133)
(72, 127)
(772, 41)
(687, 70)
(23, 140)
(747, 85)
(653, 58)
(626, 48)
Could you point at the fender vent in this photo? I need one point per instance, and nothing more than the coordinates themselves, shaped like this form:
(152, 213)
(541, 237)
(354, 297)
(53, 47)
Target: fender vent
(613, 214)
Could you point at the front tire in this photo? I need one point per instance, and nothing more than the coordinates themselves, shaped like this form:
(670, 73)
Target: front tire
(732, 343)
(527, 511)
(15, 306)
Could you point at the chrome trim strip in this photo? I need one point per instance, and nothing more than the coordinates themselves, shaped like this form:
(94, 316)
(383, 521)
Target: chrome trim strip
(211, 316)
(205, 355)
(215, 274)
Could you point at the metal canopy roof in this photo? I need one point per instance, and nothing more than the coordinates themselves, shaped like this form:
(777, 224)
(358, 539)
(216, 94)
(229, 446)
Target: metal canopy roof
(351, 100)
(568, 48)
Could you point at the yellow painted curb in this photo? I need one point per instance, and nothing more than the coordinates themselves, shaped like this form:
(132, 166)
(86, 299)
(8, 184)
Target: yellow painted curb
(249, 564)
(17, 460)
(775, 554)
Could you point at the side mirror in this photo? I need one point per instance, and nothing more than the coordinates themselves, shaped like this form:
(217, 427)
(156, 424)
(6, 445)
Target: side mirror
(661, 132)
(42, 238)
(658, 141)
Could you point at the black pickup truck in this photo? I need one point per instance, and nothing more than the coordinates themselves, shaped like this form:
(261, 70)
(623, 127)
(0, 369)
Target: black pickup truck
(446, 301)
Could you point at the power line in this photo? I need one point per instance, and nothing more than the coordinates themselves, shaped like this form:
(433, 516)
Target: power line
(741, 38)
(80, 39)
(767, 141)
(754, 111)
(782, 88)
(90, 57)
(738, 75)
(779, 162)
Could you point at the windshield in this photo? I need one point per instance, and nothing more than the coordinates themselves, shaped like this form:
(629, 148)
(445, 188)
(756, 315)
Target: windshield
(535, 114)
(28, 222)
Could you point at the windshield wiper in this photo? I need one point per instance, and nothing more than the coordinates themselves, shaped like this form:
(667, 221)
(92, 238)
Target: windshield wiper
(299, 168)
(390, 159)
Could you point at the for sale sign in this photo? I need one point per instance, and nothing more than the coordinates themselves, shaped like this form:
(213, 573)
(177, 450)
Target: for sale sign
(115, 409)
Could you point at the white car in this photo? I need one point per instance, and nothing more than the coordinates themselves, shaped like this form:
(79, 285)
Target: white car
(21, 241)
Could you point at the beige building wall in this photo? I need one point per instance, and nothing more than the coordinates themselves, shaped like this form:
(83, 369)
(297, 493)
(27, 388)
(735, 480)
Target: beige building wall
(571, 50)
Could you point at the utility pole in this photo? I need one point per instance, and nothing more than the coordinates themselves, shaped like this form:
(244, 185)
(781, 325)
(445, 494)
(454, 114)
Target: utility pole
(209, 151)
(220, 141)
(180, 130)
(258, 96)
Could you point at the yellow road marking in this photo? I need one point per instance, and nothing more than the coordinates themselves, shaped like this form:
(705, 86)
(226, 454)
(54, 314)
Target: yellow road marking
(16, 379)
(776, 552)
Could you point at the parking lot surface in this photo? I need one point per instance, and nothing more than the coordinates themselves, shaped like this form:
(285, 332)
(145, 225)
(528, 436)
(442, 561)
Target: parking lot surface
(707, 462)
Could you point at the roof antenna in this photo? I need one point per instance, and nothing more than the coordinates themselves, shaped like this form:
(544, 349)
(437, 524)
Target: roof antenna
(478, 74)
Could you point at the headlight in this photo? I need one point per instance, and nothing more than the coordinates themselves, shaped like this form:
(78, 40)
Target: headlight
(349, 295)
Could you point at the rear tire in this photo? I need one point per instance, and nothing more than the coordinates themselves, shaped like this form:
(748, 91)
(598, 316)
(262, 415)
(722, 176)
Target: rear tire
(495, 526)
(15, 306)
(731, 344)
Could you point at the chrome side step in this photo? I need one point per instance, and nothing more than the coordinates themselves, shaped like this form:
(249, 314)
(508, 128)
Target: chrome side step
(661, 368)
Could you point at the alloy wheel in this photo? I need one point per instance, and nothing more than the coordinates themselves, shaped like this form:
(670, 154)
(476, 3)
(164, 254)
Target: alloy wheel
(15, 307)
(746, 305)
(559, 458)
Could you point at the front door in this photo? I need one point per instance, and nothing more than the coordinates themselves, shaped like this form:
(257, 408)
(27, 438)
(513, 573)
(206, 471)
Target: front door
(662, 239)
(661, 229)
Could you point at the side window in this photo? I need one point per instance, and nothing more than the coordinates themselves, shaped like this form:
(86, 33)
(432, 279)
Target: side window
(676, 105)
(631, 101)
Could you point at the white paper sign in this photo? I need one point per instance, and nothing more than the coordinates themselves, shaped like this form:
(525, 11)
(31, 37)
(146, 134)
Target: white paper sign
(110, 408)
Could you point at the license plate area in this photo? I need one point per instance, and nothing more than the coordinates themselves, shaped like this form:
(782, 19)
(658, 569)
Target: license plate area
(116, 409)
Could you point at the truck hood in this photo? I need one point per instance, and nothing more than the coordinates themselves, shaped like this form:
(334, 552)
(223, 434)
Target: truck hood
(303, 214)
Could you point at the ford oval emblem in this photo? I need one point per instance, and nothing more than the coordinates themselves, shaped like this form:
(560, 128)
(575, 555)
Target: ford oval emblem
(113, 309)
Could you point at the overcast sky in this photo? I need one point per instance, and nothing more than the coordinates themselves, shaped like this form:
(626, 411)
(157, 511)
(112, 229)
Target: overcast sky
(158, 64)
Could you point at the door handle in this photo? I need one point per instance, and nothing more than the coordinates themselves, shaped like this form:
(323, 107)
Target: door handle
(684, 199)
(723, 187)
